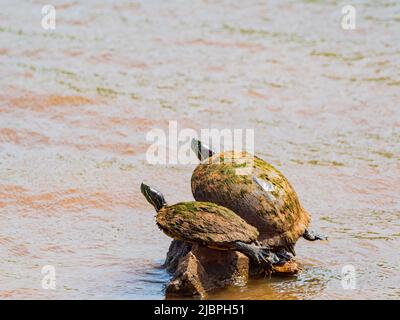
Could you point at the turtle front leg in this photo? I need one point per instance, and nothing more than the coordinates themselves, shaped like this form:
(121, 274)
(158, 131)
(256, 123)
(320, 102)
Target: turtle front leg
(283, 255)
(312, 236)
(262, 255)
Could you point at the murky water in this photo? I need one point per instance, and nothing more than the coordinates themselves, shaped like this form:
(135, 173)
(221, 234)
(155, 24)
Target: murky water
(76, 104)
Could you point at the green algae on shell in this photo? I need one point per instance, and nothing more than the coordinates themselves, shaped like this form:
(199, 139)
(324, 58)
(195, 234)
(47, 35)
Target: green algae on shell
(273, 208)
(206, 223)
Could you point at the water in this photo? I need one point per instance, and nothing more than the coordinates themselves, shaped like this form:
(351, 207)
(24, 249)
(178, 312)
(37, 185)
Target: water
(76, 104)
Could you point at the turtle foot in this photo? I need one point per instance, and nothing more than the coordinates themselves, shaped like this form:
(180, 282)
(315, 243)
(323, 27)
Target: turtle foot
(267, 259)
(283, 256)
(313, 236)
(261, 255)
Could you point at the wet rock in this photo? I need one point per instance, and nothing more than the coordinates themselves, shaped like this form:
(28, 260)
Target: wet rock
(290, 268)
(198, 270)
(202, 270)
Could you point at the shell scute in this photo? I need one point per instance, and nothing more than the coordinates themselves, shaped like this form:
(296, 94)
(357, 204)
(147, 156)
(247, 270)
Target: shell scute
(205, 223)
(273, 208)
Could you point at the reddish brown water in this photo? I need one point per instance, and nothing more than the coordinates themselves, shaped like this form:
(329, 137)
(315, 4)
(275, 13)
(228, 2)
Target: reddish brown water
(76, 104)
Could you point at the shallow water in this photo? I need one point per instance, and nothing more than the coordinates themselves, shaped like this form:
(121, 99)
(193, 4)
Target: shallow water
(76, 104)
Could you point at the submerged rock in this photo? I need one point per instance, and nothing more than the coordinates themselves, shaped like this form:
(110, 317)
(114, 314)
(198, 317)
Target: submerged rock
(198, 269)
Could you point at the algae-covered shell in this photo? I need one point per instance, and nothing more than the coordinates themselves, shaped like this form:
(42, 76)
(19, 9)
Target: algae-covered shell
(256, 191)
(205, 223)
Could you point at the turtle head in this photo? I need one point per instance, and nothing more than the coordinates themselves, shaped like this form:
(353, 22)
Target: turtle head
(201, 150)
(153, 196)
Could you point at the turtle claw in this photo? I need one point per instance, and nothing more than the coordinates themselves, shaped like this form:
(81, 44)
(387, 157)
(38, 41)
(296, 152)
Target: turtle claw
(267, 259)
(284, 256)
(269, 256)
(321, 237)
(261, 255)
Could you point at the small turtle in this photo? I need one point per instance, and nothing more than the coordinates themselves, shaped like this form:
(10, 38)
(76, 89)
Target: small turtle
(262, 196)
(210, 225)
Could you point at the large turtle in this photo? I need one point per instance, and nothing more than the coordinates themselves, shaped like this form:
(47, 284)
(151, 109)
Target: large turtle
(210, 225)
(262, 195)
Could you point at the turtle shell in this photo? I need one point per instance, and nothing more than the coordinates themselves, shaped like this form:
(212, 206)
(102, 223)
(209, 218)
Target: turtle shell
(256, 191)
(205, 223)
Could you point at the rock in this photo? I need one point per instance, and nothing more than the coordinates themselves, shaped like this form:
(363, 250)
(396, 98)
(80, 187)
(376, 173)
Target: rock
(176, 251)
(189, 278)
(198, 269)
(289, 268)
(202, 270)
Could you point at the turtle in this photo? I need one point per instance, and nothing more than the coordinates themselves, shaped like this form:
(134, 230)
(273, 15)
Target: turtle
(262, 195)
(210, 225)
